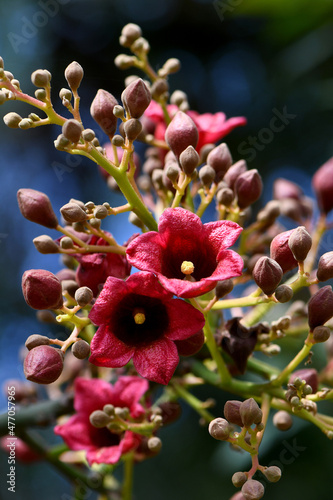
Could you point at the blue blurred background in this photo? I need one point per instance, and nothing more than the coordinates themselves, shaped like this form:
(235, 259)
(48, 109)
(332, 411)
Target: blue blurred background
(250, 58)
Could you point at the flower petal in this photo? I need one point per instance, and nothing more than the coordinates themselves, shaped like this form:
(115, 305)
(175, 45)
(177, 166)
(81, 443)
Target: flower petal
(157, 361)
(179, 223)
(75, 433)
(108, 350)
(86, 401)
(147, 284)
(113, 291)
(128, 391)
(188, 289)
(221, 234)
(112, 454)
(144, 252)
(184, 320)
(230, 265)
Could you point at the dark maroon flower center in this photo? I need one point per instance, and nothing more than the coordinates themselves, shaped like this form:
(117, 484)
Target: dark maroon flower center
(139, 320)
(103, 437)
(202, 258)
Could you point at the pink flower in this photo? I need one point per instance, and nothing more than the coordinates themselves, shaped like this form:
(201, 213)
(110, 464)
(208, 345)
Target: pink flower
(138, 319)
(101, 445)
(94, 268)
(211, 127)
(185, 248)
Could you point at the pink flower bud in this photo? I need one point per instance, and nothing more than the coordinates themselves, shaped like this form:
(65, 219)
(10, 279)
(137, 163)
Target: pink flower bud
(36, 207)
(300, 243)
(281, 252)
(231, 412)
(219, 429)
(322, 183)
(101, 110)
(248, 188)
(283, 189)
(136, 98)
(234, 172)
(320, 307)
(250, 412)
(220, 159)
(43, 364)
(267, 273)
(253, 490)
(42, 289)
(181, 133)
(325, 267)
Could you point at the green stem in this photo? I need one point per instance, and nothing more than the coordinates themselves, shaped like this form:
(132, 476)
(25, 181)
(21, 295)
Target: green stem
(194, 402)
(126, 188)
(300, 356)
(128, 476)
(241, 302)
(215, 353)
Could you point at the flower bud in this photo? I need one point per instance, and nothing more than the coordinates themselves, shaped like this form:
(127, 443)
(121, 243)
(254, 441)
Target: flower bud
(132, 129)
(207, 175)
(282, 420)
(158, 88)
(172, 171)
(325, 267)
(72, 130)
(320, 307)
(219, 429)
(225, 196)
(223, 288)
(154, 444)
(248, 188)
(269, 213)
(65, 94)
(101, 110)
(71, 212)
(300, 243)
(74, 75)
(231, 412)
(172, 65)
(43, 364)
(41, 289)
(83, 296)
(99, 419)
(178, 97)
(41, 78)
(284, 188)
(36, 207)
(309, 375)
(272, 473)
(281, 252)
(322, 183)
(284, 293)
(267, 274)
(234, 172)
(35, 340)
(109, 410)
(250, 412)
(321, 334)
(45, 244)
(220, 159)
(181, 133)
(191, 345)
(238, 479)
(253, 490)
(189, 160)
(81, 349)
(136, 98)
(129, 34)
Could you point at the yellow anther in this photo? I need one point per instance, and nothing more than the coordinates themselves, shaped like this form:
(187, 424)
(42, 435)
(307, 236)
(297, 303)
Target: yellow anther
(139, 316)
(187, 267)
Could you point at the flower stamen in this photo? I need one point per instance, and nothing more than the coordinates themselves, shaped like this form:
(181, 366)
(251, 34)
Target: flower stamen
(139, 315)
(187, 267)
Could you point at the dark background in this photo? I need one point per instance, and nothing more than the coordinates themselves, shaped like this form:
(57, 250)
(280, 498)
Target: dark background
(248, 58)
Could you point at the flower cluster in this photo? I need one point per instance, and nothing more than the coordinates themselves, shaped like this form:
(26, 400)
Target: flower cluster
(133, 311)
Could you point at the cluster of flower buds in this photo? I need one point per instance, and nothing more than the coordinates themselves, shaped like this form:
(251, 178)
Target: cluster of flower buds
(244, 414)
(301, 384)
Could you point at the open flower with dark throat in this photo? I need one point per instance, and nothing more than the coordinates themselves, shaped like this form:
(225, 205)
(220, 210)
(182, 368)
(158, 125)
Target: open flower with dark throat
(101, 445)
(188, 257)
(139, 319)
